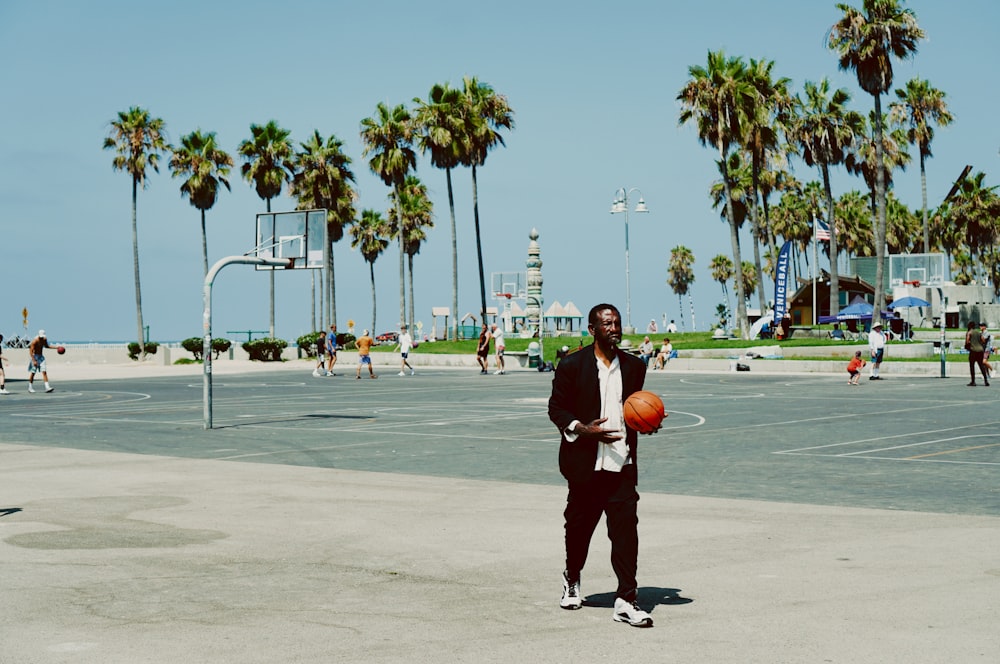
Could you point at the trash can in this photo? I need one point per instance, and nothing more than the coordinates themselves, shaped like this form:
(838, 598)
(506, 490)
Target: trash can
(534, 354)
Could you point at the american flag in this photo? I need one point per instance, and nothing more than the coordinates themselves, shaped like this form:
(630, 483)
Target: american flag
(822, 231)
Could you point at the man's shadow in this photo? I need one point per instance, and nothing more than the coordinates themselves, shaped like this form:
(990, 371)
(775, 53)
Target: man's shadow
(5, 511)
(648, 598)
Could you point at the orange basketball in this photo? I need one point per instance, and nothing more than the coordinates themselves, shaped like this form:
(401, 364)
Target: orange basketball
(60, 349)
(644, 412)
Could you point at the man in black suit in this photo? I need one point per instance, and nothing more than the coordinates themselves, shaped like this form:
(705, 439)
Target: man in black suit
(597, 456)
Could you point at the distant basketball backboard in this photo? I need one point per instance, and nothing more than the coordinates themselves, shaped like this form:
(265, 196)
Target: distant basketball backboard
(507, 285)
(297, 235)
(925, 269)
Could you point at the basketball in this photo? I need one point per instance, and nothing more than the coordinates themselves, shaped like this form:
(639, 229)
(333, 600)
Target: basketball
(60, 349)
(644, 412)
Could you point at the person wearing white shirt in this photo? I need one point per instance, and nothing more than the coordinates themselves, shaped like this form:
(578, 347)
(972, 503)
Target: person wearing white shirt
(876, 344)
(597, 456)
(405, 344)
(498, 347)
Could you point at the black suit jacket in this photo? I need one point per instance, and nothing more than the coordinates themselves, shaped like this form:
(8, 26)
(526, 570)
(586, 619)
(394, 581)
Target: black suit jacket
(576, 396)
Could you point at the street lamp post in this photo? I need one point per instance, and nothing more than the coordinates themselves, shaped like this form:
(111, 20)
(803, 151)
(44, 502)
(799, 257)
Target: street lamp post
(620, 204)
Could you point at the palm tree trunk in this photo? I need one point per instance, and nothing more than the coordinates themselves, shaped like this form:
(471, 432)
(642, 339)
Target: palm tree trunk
(409, 260)
(402, 269)
(834, 273)
(479, 246)
(371, 271)
(754, 211)
(691, 302)
(680, 309)
(734, 237)
(204, 243)
(331, 292)
(454, 260)
(880, 210)
(923, 193)
(135, 268)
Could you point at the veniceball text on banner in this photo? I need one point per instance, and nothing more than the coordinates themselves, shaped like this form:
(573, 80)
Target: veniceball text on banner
(781, 283)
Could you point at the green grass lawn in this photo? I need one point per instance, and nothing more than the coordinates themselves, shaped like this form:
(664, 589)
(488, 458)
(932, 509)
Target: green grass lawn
(681, 341)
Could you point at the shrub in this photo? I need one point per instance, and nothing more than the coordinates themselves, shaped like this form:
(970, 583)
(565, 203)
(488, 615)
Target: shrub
(265, 350)
(194, 346)
(133, 349)
(311, 343)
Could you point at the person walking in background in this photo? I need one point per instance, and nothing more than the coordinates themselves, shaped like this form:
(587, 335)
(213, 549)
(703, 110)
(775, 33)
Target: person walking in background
(854, 368)
(331, 350)
(498, 348)
(483, 350)
(651, 328)
(320, 360)
(405, 344)
(987, 348)
(876, 345)
(974, 344)
(364, 344)
(597, 456)
(3, 376)
(36, 361)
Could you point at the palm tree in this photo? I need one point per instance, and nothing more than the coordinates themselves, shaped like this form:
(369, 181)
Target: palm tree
(440, 130)
(715, 98)
(137, 139)
(410, 216)
(681, 276)
(486, 113)
(976, 210)
(749, 278)
(825, 130)
(768, 113)
(370, 236)
(920, 105)
(865, 41)
(722, 271)
(323, 179)
(207, 166)
(267, 163)
(862, 161)
(854, 222)
(387, 138)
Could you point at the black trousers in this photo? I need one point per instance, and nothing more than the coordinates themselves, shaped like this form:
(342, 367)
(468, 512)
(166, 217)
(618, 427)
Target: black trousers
(614, 495)
(976, 359)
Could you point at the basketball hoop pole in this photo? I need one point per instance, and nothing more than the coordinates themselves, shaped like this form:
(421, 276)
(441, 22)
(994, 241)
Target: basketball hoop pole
(206, 346)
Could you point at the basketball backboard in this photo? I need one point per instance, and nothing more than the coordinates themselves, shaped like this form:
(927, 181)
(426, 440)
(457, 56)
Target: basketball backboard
(925, 269)
(297, 235)
(506, 285)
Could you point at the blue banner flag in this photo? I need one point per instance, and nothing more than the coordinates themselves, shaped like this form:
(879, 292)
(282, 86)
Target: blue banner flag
(781, 283)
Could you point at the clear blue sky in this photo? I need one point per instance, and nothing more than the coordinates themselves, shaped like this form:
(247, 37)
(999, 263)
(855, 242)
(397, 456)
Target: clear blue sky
(593, 87)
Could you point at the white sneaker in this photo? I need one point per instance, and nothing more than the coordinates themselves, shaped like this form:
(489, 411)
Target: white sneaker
(401, 374)
(631, 614)
(3, 390)
(31, 389)
(330, 373)
(49, 389)
(315, 373)
(412, 372)
(571, 598)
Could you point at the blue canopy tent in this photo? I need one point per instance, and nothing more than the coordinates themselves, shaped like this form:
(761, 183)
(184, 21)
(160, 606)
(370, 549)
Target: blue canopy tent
(856, 310)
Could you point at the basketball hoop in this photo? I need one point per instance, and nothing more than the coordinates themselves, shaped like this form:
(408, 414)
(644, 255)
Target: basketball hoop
(506, 295)
(914, 284)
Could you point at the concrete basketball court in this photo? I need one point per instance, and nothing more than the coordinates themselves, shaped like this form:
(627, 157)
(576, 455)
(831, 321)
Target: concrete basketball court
(784, 518)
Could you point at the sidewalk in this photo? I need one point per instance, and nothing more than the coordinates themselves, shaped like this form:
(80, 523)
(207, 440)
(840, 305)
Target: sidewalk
(114, 558)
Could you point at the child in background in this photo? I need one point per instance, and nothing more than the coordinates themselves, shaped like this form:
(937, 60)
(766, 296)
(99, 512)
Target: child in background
(854, 368)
